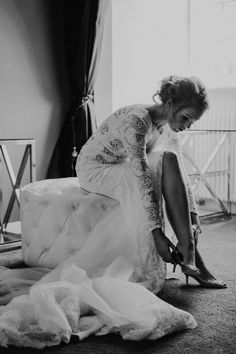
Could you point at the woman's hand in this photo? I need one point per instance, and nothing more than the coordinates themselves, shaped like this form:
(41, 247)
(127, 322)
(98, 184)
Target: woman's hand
(196, 232)
(195, 226)
(162, 244)
(195, 219)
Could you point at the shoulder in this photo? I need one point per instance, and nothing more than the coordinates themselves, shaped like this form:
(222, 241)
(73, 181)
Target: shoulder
(137, 117)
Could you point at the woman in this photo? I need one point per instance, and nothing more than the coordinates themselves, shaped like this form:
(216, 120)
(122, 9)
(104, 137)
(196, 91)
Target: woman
(119, 161)
(134, 158)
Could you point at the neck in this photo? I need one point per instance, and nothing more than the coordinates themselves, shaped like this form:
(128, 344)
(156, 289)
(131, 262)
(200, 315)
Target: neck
(158, 115)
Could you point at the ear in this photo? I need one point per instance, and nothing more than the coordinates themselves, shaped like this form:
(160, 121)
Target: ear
(169, 102)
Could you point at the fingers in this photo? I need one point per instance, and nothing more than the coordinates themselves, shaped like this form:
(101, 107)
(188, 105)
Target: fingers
(196, 238)
(164, 257)
(168, 258)
(196, 234)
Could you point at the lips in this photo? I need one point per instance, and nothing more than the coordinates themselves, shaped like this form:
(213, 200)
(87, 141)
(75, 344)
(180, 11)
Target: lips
(175, 129)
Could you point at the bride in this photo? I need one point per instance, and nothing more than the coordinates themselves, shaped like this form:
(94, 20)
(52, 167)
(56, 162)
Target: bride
(134, 157)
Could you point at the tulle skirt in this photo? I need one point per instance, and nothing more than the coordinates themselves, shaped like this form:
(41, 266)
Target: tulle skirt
(107, 287)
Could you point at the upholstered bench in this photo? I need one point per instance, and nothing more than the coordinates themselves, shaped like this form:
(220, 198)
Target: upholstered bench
(55, 221)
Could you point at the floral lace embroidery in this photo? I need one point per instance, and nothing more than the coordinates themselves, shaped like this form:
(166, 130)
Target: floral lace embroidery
(117, 144)
(104, 128)
(108, 152)
(101, 160)
(134, 132)
(123, 111)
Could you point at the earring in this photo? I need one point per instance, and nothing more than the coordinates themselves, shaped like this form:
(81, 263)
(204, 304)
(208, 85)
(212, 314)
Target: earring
(153, 97)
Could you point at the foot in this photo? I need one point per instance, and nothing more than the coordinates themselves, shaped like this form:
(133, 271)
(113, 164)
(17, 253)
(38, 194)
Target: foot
(207, 281)
(187, 251)
(187, 269)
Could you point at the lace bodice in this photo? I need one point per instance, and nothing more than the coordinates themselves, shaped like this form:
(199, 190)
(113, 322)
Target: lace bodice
(126, 134)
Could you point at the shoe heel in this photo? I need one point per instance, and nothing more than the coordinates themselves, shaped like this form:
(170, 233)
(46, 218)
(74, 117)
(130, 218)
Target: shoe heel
(174, 267)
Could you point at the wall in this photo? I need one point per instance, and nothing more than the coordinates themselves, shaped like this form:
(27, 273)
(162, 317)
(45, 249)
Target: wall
(223, 99)
(149, 41)
(221, 115)
(33, 86)
(31, 97)
(146, 42)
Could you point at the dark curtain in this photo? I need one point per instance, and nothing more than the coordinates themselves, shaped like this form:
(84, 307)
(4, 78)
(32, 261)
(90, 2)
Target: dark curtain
(83, 26)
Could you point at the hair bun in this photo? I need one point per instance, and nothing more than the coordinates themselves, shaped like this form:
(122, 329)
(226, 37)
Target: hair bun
(183, 92)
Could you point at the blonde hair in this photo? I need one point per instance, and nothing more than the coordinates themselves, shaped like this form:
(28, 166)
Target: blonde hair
(183, 92)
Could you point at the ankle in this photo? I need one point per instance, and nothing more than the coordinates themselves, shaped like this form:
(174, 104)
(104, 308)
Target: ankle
(189, 257)
(188, 252)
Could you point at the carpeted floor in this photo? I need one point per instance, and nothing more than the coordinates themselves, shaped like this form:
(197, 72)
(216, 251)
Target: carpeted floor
(214, 310)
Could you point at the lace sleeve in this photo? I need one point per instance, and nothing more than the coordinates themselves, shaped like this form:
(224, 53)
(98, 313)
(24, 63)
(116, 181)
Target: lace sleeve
(171, 141)
(133, 133)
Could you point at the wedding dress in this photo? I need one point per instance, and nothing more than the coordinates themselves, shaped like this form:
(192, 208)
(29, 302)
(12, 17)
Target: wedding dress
(109, 284)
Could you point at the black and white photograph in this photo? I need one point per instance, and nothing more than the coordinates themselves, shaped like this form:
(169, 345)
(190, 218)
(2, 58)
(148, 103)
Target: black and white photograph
(117, 176)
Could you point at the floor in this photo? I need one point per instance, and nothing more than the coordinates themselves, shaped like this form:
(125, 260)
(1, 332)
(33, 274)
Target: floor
(214, 310)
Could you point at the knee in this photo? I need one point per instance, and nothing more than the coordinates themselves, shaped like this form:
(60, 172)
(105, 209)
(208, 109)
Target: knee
(170, 159)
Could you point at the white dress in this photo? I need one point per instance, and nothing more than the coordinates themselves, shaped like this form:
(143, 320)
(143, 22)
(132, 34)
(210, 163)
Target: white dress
(114, 163)
(110, 285)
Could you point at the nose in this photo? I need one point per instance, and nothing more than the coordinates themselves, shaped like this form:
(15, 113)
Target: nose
(189, 124)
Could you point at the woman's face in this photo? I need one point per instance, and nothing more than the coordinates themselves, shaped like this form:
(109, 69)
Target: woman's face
(183, 119)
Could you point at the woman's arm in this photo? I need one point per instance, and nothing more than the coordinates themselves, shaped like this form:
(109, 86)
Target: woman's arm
(196, 226)
(133, 133)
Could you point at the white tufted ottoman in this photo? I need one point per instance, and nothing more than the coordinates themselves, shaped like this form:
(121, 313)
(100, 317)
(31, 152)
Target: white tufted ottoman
(55, 221)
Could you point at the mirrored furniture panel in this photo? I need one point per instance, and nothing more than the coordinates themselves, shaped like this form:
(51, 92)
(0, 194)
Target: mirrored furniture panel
(17, 168)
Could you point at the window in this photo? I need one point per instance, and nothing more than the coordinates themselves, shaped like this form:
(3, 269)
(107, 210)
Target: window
(212, 41)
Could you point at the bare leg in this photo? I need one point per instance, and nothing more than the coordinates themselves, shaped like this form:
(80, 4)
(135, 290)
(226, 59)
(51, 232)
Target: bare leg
(178, 214)
(176, 199)
(205, 273)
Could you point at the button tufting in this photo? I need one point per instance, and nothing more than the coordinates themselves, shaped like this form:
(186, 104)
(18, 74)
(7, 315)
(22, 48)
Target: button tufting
(75, 207)
(59, 217)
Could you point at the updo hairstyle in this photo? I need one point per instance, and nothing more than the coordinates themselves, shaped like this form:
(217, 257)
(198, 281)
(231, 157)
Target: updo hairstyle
(183, 92)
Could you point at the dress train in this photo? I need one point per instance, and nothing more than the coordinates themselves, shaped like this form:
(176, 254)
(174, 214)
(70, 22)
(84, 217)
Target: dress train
(78, 305)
